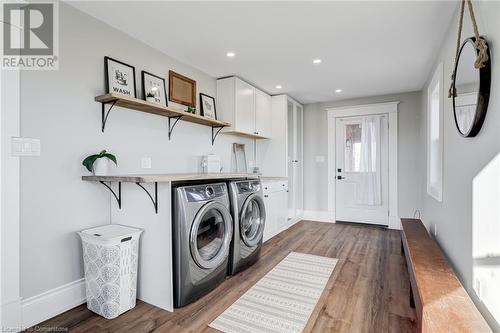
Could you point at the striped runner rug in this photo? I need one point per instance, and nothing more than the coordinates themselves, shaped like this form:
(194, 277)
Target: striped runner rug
(283, 300)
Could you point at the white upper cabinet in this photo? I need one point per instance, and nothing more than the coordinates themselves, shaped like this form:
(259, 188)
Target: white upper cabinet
(245, 107)
(262, 113)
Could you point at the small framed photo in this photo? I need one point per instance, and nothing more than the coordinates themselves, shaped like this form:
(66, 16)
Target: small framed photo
(120, 77)
(207, 105)
(154, 89)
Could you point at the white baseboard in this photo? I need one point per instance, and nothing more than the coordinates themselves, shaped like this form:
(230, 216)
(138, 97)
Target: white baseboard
(319, 216)
(53, 302)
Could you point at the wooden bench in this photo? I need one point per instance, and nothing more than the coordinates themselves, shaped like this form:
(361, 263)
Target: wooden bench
(440, 301)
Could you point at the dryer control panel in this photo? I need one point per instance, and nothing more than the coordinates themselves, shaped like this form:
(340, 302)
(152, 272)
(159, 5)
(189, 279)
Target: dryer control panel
(205, 192)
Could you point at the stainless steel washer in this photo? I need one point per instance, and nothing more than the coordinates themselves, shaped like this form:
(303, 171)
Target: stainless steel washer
(249, 216)
(202, 231)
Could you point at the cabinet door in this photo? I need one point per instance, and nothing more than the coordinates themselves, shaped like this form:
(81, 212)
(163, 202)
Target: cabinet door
(282, 210)
(244, 107)
(262, 113)
(271, 220)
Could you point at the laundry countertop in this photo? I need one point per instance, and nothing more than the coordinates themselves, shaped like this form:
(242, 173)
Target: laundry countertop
(168, 177)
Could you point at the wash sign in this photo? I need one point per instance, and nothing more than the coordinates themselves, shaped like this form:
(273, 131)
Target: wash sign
(30, 36)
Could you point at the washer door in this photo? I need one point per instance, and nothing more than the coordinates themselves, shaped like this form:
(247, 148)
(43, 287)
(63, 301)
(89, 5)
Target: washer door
(252, 220)
(211, 234)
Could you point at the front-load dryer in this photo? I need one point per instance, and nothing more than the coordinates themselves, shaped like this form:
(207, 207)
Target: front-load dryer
(202, 231)
(249, 217)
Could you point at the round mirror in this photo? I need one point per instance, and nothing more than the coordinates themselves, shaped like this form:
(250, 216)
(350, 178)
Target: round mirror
(472, 90)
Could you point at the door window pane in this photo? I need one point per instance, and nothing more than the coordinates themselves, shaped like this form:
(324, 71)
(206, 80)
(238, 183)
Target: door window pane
(352, 148)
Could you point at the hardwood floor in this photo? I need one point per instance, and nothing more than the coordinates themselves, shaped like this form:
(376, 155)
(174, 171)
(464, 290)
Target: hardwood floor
(368, 291)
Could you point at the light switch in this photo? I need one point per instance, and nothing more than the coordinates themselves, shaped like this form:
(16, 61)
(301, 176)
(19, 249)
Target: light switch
(25, 147)
(146, 162)
(320, 159)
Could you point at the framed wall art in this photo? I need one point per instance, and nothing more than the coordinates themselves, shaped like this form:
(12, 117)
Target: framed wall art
(119, 77)
(153, 88)
(207, 106)
(181, 89)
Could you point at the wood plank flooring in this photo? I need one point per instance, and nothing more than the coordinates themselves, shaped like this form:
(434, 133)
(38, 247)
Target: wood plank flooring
(368, 291)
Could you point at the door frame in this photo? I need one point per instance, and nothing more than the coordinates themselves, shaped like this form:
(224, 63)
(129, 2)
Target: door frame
(10, 113)
(389, 108)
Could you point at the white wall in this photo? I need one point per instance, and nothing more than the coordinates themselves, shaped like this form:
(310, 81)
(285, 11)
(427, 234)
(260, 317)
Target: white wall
(464, 158)
(58, 107)
(316, 140)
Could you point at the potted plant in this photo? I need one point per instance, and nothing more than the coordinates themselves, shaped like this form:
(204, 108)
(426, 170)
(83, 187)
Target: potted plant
(150, 97)
(98, 164)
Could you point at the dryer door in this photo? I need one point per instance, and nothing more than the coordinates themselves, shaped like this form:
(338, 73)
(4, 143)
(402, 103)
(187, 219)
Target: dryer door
(252, 220)
(211, 234)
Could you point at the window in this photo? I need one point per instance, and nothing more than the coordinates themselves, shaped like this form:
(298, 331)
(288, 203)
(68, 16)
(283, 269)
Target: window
(435, 135)
(486, 236)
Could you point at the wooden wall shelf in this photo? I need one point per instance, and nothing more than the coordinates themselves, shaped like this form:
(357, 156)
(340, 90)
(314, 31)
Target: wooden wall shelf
(144, 106)
(246, 135)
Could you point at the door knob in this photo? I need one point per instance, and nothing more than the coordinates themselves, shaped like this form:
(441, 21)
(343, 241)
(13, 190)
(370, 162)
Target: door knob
(340, 177)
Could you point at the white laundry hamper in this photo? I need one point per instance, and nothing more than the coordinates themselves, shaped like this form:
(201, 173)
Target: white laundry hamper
(110, 257)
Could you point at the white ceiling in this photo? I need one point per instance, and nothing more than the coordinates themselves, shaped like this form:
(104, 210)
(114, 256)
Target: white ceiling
(367, 48)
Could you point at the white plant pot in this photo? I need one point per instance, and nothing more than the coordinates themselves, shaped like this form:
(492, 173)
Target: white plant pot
(101, 167)
(150, 99)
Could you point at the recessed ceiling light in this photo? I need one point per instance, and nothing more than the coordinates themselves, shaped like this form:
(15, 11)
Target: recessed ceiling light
(279, 86)
(338, 91)
(230, 54)
(317, 61)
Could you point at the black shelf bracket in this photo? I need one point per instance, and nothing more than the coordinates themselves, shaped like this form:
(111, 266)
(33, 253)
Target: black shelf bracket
(171, 126)
(219, 128)
(153, 200)
(117, 197)
(104, 114)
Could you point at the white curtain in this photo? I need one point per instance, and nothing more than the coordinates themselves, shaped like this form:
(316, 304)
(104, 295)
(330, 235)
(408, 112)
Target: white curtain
(369, 191)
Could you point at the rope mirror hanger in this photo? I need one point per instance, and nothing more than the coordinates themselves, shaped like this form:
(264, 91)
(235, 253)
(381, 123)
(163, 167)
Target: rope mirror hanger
(480, 44)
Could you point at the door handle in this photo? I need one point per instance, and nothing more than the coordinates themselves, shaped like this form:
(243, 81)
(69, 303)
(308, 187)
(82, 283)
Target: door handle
(340, 177)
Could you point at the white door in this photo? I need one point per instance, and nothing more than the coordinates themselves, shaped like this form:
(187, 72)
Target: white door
(362, 170)
(295, 163)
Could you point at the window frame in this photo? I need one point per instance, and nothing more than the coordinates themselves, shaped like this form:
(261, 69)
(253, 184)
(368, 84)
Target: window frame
(435, 189)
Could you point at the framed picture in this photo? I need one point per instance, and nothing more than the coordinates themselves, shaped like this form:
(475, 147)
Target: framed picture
(120, 77)
(181, 89)
(207, 105)
(153, 88)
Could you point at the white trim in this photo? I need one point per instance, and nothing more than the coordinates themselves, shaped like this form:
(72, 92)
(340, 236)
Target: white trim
(363, 110)
(11, 315)
(9, 211)
(389, 108)
(318, 216)
(52, 303)
(437, 79)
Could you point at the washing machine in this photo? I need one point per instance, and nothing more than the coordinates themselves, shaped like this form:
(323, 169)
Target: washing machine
(202, 228)
(249, 218)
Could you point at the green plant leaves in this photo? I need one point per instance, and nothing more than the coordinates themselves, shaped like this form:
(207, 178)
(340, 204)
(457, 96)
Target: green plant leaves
(89, 161)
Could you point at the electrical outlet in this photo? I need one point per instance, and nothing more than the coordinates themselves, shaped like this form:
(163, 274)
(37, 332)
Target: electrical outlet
(25, 147)
(146, 162)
